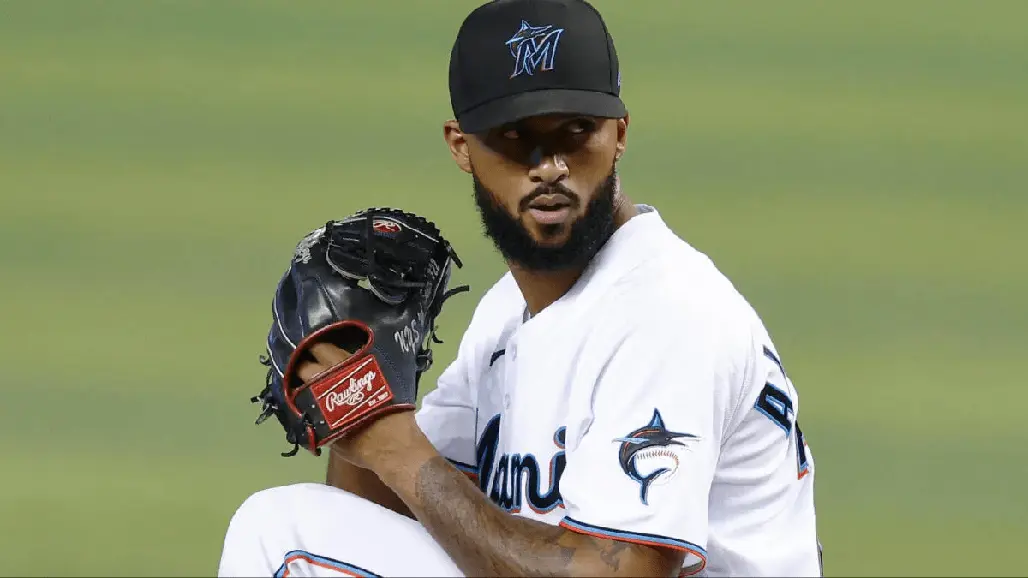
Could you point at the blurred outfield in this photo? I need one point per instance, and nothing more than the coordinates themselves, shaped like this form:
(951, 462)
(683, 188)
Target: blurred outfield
(860, 169)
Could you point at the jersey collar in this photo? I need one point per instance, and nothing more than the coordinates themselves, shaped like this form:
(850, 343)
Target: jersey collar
(629, 246)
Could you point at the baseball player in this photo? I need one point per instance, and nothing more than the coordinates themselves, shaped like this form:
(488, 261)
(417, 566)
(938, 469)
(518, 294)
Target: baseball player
(616, 407)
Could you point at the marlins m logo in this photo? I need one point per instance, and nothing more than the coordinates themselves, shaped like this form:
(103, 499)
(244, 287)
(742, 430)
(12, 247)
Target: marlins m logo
(533, 48)
(648, 455)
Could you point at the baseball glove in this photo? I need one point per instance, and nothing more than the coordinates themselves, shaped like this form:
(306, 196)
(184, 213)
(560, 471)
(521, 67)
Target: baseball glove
(373, 284)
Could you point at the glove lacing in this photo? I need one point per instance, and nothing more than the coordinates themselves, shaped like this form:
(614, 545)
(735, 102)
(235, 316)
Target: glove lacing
(269, 407)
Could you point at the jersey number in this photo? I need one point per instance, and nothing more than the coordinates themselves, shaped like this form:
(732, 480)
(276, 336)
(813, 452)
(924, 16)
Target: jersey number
(776, 405)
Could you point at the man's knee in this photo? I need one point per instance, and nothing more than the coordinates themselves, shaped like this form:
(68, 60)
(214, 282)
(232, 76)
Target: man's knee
(311, 506)
(266, 502)
(253, 537)
(272, 522)
(309, 523)
(295, 504)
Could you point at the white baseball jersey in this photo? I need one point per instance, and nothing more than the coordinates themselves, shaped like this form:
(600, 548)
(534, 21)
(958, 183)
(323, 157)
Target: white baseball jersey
(648, 404)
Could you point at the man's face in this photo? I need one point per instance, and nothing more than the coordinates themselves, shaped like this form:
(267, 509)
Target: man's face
(545, 188)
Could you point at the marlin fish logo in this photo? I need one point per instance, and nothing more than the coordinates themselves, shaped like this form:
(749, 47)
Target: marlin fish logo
(647, 441)
(534, 48)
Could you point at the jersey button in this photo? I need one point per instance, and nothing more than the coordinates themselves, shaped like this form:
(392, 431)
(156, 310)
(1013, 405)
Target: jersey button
(506, 401)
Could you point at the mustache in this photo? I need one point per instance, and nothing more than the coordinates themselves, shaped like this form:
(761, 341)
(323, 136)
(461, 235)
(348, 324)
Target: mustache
(549, 189)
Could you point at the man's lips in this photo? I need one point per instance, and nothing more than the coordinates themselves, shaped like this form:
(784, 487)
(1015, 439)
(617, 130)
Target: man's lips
(550, 202)
(550, 215)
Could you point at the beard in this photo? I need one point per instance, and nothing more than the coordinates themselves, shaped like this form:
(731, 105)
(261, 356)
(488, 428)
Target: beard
(586, 236)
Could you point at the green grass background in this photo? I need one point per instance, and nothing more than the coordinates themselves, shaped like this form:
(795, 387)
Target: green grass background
(859, 169)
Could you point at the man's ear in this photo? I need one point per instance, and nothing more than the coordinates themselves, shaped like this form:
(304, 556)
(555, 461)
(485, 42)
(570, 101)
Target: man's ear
(457, 141)
(622, 137)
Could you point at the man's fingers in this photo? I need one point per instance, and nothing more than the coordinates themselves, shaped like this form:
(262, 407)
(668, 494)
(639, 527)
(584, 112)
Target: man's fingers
(308, 369)
(324, 356)
(328, 355)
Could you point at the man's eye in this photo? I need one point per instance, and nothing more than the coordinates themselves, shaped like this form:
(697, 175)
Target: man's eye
(581, 127)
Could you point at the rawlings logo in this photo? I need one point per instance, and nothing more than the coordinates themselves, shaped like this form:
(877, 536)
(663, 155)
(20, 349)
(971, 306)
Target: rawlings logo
(352, 395)
(385, 227)
(351, 391)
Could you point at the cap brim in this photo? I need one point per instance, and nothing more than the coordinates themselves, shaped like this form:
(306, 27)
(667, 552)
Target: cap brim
(549, 101)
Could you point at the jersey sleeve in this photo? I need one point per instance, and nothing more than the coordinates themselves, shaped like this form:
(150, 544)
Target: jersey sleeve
(640, 466)
(447, 414)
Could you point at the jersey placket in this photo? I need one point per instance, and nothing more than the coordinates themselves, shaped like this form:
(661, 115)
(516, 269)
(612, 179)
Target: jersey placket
(510, 380)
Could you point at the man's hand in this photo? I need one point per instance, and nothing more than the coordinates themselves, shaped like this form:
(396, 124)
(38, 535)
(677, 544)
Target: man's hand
(480, 537)
(325, 357)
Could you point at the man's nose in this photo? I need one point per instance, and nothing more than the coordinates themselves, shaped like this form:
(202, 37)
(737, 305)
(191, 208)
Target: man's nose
(547, 167)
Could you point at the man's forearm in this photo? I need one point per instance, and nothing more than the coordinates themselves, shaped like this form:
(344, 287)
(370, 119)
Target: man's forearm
(364, 483)
(483, 540)
(486, 541)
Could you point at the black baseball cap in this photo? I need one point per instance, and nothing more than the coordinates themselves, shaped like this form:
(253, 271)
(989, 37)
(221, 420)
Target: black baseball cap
(519, 58)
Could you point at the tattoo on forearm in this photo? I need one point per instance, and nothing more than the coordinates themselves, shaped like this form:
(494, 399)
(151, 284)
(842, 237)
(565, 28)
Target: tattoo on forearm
(611, 555)
(484, 540)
